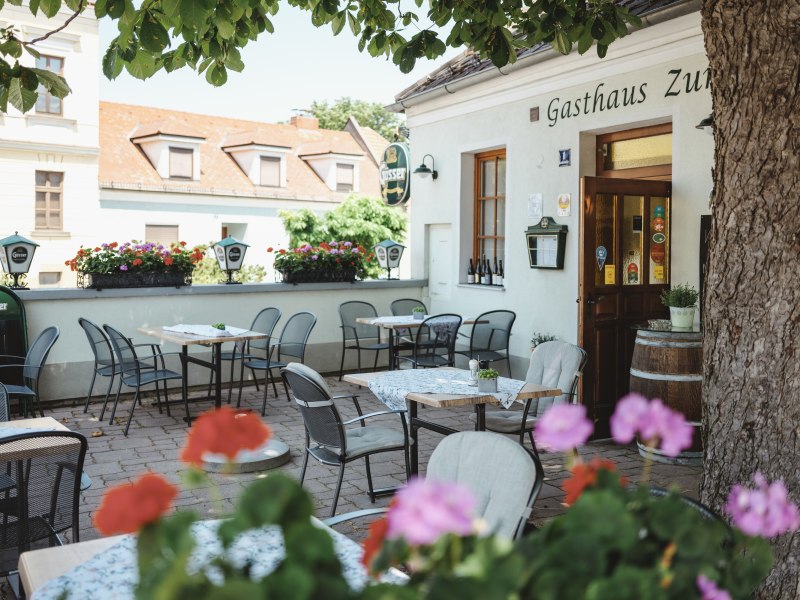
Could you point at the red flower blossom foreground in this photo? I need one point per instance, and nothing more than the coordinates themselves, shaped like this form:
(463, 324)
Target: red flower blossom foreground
(584, 476)
(374, 541)
(223, 431)
(128, 507)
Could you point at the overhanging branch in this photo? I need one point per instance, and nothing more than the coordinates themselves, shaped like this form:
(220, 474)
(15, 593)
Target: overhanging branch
(62, 28)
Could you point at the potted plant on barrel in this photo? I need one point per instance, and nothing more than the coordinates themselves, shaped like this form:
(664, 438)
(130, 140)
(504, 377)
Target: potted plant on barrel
(681, 300)
(487, 380)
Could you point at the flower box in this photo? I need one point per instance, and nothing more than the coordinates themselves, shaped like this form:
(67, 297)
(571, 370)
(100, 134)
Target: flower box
(328, 262)
(134, 279)
(318, 276)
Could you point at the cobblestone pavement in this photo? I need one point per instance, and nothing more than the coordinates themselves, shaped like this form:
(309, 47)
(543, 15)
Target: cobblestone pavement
(155, 440)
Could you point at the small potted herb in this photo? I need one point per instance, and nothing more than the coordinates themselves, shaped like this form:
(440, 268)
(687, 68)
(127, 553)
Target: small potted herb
(487, 380)
(681, 300)
(418, 313)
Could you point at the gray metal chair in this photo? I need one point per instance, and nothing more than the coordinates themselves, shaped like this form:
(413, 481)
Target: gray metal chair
(104, 363)
(4, 414)
(32, 365)
(133, 373)
(404, 306)
(434, 343)
(265, 322)
(490, 336)
(404, 337)
(293, 341)
(354, 335)
(328, 439)
(555, 363)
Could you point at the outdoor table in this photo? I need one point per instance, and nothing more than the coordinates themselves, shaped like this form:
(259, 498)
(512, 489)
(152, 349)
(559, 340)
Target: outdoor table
(394, 324)
(470, 397)
(184, 340)
(107, 567)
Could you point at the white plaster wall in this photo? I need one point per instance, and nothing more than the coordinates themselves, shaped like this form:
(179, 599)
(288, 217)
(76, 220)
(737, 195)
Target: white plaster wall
(496, 114)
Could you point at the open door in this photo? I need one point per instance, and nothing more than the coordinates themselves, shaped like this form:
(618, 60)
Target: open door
(624, 266)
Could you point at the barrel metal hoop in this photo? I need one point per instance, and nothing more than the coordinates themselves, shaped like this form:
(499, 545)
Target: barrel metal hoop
(664, 344)
(664, 376)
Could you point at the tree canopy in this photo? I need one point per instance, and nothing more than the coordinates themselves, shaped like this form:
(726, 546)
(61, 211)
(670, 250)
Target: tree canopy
(207, 35)
(370, 114)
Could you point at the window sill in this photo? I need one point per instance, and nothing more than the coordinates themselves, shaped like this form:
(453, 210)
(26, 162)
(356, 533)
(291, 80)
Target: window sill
(53, 120)
(477, 286)
(50, 234)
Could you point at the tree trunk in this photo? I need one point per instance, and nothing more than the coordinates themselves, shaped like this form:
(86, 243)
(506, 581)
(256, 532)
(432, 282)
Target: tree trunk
(751, 384)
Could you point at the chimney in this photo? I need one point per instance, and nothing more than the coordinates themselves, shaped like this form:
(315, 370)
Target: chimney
(304, 122)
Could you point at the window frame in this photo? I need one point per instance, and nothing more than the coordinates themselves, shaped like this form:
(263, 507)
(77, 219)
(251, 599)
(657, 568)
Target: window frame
(44, 93)
(653, 172)
(352, 183)
(184, 151)
(47, 190)
(269, 159)
(495, 155)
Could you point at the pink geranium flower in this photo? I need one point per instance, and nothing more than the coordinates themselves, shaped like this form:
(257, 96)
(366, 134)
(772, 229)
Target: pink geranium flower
(563, 427)
(425, 509)
(765, 511)
(627, 416)
(654, 421)
(709, 590)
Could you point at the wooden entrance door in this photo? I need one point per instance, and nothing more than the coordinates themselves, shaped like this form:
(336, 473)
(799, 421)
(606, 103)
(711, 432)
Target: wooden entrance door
(624, 266)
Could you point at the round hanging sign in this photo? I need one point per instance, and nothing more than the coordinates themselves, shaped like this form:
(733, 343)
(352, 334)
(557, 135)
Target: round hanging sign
(659, 238)
(395, 174)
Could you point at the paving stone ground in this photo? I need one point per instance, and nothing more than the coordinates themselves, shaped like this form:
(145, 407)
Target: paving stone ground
(155, 440)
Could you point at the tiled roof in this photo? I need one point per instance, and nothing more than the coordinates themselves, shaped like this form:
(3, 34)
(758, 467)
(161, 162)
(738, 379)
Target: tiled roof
(469, 63)
(327, 147)
(372, 142)
(124, 165)
(164, 127)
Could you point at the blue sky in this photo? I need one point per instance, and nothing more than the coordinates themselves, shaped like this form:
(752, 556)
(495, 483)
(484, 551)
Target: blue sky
(284, 71)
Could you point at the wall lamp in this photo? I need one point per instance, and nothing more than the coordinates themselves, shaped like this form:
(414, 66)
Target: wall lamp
(423, 170)
(706, 125)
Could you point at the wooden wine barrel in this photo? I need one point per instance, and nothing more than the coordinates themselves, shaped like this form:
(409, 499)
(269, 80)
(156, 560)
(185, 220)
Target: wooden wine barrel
(669, 365)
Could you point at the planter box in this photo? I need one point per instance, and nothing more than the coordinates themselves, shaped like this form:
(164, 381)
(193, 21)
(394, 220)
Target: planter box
(487, 385)
(125, 279)
(348, 276)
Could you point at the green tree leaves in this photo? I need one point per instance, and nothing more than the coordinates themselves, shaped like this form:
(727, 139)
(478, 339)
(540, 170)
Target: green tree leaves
(369, 114)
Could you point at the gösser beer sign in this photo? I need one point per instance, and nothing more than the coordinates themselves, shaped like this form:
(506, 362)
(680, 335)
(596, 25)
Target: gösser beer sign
(394, 174)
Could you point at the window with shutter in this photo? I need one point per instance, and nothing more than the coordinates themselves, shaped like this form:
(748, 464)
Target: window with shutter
(345, 177)
(161, 234)
(270, 171)
(181, 163)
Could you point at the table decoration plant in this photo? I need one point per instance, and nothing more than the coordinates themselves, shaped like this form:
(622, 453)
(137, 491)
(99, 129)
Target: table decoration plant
(418, 313)
(330, 261)
(487, 380)
(135, 264)
(681, 300)
(616, 541)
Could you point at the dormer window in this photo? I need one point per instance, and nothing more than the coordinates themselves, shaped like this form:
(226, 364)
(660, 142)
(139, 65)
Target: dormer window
(270, 171)
(345, 177)
(181, 163)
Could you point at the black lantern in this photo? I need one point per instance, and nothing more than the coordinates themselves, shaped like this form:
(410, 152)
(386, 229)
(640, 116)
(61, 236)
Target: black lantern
(389, 254)
(424, 170)
(230, 256)
(16, 256)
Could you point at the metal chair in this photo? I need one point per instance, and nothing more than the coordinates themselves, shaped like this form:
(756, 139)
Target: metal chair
(404, 306)
(405, 337)
(555, 363)
(4, 414)
(504, 477)
(489, 338)
(104, 363)
(328, 439)
(265, 322)
(355, 333)
(434, 343)
(32, 365)
(45, 499)
(134, 374)
(292, 342)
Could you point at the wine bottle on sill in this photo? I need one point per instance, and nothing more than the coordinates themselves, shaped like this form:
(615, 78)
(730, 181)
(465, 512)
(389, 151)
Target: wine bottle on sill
(471, 272)
(497, 280)
(488, 272)
(479, 276)
(502, 274)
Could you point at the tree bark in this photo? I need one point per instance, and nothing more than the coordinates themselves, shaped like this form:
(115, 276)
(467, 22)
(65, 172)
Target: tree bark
(751, 384)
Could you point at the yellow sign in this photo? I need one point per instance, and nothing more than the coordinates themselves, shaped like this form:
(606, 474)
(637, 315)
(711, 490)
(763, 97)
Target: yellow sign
(611, 274)
(658, 271)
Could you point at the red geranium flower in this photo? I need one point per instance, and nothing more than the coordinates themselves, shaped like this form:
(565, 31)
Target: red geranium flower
(168, 260)
(269, 249)
(137, 262)
(113, 245)
(281, 251)
(128, 507)
(182, 243)
(223, 431)
(97, 249)
(372, 545)
(585, 476)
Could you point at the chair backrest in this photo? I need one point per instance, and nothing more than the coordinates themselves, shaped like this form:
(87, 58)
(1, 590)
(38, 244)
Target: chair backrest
(356, 309)
(320, 416)
(265, 322)
(403, 306)
(504, 477)
(123, 349)
(559, 364)
(492, 331)
(437, 336)
(3, 403)
(295, 335)
(98, 342)
(46, 497)
(37, 353)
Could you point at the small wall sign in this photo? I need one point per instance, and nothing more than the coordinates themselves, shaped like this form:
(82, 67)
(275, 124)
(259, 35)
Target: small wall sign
(564, 205)
(564, 157)
(610, 274)
(535, 207)
(601, 254)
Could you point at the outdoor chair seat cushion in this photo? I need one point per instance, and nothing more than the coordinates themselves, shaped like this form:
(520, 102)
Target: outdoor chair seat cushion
(434, 360)
(262, 364)
(381, 346)
(361, 441)
(19, 390)
(506, 421)
(150, 377)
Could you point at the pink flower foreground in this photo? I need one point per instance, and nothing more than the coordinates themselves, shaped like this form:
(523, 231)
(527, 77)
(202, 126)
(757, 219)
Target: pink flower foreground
(563, 427)
(709, 590)
(765, 511)
(654, 421)
(424, 510)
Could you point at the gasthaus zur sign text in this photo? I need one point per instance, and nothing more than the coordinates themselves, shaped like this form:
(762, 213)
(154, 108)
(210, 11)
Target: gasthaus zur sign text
(395, 174)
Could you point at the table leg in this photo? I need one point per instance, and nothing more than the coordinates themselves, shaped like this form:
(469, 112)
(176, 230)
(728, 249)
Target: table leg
(392, 350)
(218, 375)
(480, 417)
(185, 381)
(413, 440)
